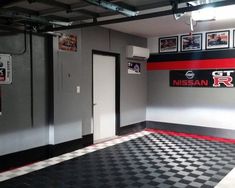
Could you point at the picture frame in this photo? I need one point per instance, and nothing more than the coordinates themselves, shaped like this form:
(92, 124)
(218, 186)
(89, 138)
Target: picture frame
(191, 42)
(134, 68)
(217, 39)
(168, 44)
(68, 43)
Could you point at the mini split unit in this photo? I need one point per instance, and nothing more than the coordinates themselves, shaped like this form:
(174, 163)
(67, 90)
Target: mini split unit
(135, 52)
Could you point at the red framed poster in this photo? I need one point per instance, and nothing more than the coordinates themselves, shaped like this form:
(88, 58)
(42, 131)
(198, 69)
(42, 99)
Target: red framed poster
(68, 43)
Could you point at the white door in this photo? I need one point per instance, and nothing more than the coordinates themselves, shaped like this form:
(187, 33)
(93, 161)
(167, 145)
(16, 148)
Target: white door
(104, 97)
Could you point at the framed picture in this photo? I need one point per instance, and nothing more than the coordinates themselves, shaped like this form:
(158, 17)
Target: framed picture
(217, 39)
(134, 68)
(68, 43)
(168, 44)
(191, 42)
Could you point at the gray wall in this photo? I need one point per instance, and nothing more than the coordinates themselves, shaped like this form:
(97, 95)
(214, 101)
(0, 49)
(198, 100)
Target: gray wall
(72, 111)
(208, 107)
(67, 103)
(92, 39)
(16, 131)
(133, 87)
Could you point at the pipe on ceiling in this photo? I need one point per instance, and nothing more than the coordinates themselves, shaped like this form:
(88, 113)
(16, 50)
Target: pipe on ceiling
(113, 7)
(146, 16)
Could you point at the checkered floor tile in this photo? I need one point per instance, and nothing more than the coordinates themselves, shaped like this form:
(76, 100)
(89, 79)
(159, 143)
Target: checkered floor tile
(148, 160)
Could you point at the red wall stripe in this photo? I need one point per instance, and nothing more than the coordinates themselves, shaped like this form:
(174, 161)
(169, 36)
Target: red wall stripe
(193, 64)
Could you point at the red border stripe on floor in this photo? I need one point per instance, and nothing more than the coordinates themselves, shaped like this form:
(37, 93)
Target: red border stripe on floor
(187, 135)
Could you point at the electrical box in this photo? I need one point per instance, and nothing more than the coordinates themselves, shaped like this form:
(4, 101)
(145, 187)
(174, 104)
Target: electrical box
(5, 69)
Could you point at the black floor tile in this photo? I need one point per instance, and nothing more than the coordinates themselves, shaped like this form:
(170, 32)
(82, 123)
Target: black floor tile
(155, 160)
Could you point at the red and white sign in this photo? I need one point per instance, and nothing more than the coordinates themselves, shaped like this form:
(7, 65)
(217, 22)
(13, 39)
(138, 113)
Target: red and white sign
(5, 69)
(223, 78)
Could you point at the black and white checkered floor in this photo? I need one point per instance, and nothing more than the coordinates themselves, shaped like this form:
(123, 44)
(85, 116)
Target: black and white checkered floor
(143, 159)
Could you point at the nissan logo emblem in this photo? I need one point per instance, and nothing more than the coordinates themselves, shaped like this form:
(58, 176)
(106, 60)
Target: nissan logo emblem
(190, 74)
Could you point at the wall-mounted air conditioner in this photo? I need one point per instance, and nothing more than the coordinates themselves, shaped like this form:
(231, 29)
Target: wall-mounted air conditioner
(136, 52)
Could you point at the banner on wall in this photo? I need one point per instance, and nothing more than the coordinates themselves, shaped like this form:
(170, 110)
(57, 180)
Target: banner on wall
(68, 43)
(223, 78)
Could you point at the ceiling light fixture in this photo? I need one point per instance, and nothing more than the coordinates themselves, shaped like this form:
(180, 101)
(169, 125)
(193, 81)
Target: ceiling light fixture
(60, 23)
(212, 14)
(225, 13)
(206, 14)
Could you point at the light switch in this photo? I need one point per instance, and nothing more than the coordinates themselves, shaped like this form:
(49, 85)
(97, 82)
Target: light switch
(78, 89)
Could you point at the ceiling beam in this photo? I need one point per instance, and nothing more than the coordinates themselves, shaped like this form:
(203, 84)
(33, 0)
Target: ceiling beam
(8, 33)
(159, 4)
(52, 3)
(75, 6)
(23, 10)
(139, 8)
(113, 7)
(17, 30)
(83, 4)
(19, 16)
(9, 28)
(79, 18)
(6, 3)
(147, 16)
(125, 5)
(57, 18)
(79, 5)
(101, 15)
(86, 13)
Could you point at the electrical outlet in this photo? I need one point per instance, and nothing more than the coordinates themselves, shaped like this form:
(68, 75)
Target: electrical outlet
(78, 89)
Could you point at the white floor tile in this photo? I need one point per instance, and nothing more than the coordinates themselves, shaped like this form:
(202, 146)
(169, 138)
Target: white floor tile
(55, 160)
(228, 181)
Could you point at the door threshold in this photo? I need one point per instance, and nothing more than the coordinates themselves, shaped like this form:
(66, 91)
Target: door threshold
(105, 139)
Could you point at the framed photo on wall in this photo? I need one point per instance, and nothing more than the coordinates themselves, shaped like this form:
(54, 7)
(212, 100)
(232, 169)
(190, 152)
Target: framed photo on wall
(68, 43)
(191, 42)
(134, 68)
(217, 39)
(168, 44)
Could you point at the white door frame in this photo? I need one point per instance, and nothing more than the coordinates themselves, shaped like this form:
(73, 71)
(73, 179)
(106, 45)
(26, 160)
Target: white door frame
(117, 87)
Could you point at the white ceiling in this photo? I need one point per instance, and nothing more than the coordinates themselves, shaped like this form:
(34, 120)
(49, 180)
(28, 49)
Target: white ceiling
(167, 25)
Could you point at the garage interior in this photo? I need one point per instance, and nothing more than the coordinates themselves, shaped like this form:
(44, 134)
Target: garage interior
(172, 106)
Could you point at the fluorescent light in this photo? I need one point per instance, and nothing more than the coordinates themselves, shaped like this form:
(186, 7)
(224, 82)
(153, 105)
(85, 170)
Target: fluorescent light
(219, 13)
(61, 23)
